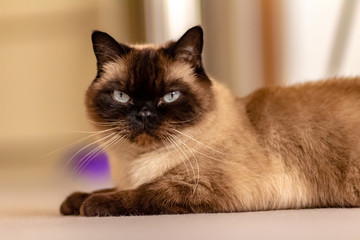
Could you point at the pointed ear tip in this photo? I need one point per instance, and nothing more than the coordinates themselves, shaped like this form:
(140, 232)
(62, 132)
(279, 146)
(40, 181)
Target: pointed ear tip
(197, 28)
(95, 34)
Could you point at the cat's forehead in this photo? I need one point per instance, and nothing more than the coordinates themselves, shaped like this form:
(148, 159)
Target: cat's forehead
(146, 66)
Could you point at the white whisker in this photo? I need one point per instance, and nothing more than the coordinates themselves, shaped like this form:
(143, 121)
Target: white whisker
(83, 148)
(185, 156)
(78, 141)
(208, 156)
(196, 161)
(95, 152)
(202, 144)
(83, 162)
(179, 154)
(94, 132)
(185, 121)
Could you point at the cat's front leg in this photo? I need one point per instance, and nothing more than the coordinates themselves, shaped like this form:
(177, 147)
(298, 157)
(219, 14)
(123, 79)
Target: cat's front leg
(71, 205)
(109, 204)
(126, 203)
(161, 197)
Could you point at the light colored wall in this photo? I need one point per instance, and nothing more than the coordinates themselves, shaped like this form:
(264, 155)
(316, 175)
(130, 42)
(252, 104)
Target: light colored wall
(252, 43)
(321, 39)
(233, 47)
(168, 19)
(46, 63)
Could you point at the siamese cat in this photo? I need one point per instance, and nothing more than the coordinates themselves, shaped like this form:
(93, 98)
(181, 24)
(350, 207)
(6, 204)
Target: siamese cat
(181, 142)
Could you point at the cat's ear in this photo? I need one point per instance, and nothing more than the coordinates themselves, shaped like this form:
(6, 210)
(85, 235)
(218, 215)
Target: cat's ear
(106, 48)
(189, 47)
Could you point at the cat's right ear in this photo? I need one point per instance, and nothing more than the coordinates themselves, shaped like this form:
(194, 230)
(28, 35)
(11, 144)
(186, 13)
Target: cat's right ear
(189, 47)
(106, 48)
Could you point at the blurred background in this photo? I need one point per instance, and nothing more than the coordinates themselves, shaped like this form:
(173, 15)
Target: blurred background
(46, 64)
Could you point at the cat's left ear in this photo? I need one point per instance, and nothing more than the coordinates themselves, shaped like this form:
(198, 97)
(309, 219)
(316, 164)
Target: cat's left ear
(189, 47)
(107, 49)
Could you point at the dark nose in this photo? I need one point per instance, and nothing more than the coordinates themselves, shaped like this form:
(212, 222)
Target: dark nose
(145, 116)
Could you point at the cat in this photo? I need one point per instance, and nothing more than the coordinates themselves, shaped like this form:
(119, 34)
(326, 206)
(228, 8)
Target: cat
(181, 142)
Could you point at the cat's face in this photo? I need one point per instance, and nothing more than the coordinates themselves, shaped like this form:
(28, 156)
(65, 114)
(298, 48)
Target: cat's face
(148, 93)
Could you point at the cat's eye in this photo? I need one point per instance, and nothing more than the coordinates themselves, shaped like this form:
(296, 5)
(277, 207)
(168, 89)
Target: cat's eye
(171, 96)
(121, 96)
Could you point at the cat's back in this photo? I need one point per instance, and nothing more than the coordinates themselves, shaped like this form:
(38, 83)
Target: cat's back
(311, 103)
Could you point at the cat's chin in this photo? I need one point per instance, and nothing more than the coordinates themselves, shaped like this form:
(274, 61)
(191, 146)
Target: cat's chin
(144, 140)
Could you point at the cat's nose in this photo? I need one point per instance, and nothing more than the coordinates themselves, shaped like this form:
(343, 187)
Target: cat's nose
(145, 116)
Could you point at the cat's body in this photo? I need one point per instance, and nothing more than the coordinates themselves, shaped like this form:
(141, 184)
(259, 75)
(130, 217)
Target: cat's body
(294, 147)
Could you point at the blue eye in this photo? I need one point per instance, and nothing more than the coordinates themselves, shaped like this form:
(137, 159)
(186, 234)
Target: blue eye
(121, 96)
(171, 96)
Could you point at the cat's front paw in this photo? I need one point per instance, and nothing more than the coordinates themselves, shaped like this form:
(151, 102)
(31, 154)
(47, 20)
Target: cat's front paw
(102, 205)
(71, 205)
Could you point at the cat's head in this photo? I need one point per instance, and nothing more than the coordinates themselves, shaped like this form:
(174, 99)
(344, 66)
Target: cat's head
(147, 93)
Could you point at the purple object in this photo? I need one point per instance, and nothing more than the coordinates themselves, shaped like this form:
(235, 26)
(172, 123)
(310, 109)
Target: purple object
(88, 163)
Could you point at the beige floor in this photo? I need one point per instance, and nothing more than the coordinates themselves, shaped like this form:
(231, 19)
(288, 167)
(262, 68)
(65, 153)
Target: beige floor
(290, 224)
(31, 194)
